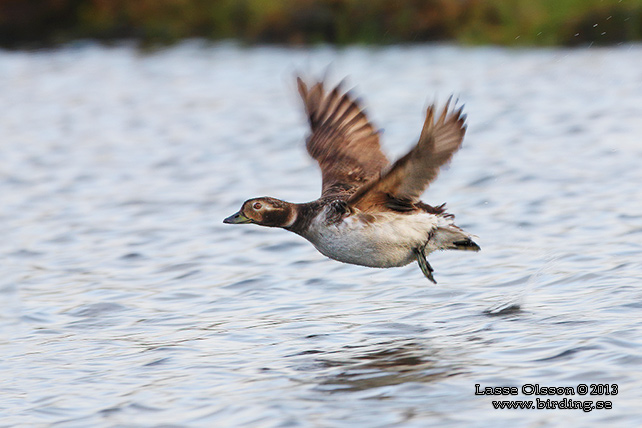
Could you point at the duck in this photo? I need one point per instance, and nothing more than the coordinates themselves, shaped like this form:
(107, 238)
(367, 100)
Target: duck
(369, 212)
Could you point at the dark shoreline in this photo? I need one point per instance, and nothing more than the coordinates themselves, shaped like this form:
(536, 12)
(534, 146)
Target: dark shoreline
(51, 23)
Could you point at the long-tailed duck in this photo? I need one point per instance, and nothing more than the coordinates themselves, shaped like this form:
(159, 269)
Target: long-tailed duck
(369, 212)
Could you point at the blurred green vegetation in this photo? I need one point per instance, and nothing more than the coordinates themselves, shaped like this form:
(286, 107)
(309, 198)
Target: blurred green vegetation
(37, 23)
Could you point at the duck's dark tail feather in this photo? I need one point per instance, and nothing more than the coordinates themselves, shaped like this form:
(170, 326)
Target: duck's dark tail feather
(465, 245)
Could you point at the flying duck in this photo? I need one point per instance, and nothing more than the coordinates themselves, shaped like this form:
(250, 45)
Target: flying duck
(369, 212)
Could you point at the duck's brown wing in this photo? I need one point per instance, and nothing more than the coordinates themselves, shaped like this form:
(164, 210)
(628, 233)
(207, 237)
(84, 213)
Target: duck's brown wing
(343, 141)
(401, 186)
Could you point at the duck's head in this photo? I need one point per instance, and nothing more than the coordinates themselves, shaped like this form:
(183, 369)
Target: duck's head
(264, 211)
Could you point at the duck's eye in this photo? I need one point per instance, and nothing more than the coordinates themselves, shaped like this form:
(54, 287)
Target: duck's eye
(257, 206)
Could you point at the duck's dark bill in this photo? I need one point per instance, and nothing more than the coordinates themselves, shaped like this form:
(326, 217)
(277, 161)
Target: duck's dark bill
(237, 218)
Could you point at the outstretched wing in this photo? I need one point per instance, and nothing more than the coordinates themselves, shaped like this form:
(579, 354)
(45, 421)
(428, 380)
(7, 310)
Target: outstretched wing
(404, 182)
(343, 141)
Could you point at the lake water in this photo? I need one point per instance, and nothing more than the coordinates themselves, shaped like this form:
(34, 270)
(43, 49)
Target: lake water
(125, 302)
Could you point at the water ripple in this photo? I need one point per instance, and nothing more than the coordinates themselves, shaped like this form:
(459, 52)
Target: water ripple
(126, 302)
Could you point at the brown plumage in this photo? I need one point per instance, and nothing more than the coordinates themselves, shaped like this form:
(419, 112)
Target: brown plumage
(405, 181)
(343, 141)
(353, 167)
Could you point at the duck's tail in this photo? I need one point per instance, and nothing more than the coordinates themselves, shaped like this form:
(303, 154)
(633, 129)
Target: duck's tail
(449, 237)
(453, 238)
(465, 245)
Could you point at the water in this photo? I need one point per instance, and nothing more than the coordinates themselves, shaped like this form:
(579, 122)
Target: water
(127, 303)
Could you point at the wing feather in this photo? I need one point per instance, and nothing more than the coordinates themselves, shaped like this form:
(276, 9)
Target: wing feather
(342, 141)
(408, 177)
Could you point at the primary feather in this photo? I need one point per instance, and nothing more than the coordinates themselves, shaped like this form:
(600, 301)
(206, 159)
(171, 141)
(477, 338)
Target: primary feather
(343, 141)
(406, 180)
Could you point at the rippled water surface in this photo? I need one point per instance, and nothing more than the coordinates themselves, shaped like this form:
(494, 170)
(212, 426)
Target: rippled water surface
(124, 300)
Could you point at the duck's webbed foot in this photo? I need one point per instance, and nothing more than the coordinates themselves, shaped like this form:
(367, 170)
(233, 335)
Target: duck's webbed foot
(424, 265)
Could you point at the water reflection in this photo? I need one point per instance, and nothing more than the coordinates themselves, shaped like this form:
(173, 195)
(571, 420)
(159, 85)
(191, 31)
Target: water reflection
(384, 364)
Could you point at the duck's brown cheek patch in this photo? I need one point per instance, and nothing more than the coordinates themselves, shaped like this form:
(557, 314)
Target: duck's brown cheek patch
(275, 218)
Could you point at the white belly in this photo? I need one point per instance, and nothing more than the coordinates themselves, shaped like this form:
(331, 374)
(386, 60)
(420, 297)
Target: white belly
(388, 241)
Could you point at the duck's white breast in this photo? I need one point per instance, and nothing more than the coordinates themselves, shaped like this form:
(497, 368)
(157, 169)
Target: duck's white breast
(380, 240)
